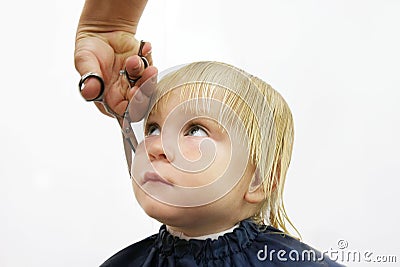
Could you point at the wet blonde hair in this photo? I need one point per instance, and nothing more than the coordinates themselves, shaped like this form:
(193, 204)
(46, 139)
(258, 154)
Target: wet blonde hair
(264, 114)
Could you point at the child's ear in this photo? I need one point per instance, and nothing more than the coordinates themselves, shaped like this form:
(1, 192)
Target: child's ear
(255, 193)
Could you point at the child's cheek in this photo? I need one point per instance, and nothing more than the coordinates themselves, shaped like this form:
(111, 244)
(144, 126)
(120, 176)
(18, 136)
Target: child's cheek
(197, 149)
(190, 148)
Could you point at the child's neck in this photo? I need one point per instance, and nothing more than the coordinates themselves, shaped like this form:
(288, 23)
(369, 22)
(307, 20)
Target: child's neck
(212, 236)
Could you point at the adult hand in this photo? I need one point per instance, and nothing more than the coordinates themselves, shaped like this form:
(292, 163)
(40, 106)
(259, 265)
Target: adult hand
(105, 46)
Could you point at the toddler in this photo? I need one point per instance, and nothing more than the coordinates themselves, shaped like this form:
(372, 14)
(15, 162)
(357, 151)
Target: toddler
(212, 168)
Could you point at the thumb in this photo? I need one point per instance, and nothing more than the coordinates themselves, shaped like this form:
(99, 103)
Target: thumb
(86, 62)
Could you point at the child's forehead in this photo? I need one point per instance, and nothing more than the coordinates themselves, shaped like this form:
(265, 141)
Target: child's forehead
(189, 100)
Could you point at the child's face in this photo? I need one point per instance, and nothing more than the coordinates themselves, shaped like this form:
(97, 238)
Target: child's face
(189, 160)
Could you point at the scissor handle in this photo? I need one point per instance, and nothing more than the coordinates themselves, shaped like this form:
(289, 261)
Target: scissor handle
(99, 97)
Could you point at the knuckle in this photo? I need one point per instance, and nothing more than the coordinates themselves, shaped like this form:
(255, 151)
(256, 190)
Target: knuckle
(82, 56)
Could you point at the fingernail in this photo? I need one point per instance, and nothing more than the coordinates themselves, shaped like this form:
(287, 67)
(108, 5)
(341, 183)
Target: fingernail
(148, 45)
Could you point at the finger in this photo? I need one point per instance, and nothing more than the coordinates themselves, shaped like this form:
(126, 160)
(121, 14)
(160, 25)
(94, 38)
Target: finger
(141, 94)
(146, 52)
(134, 67)
(134, 64)
(86, 62)
(149, 77)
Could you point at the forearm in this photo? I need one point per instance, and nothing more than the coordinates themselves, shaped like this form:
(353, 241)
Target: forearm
(111, 15)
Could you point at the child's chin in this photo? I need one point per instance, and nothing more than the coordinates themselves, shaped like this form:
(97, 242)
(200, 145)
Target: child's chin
(156, 209)
(169, 215)
(166, 215)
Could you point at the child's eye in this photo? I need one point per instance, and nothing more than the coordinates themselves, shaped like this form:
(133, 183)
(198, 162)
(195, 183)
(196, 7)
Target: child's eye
(153, 129)
(196, 130)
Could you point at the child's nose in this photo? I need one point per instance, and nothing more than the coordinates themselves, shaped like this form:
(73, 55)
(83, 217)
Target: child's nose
(155, 149)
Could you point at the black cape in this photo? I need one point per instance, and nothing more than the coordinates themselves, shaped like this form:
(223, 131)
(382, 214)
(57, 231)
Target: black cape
(248, 245)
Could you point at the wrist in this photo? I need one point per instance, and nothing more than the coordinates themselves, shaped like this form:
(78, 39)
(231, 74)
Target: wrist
(111, 15)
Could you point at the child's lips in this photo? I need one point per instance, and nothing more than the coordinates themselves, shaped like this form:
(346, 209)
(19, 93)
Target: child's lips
(150, 176)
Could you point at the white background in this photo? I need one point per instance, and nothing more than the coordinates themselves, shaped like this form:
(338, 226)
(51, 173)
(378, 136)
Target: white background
(65, 195)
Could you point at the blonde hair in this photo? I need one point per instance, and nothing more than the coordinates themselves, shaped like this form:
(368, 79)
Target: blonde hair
(264, 114)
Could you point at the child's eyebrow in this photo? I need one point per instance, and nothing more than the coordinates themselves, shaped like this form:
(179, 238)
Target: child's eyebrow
(150, 119)
(208, 120)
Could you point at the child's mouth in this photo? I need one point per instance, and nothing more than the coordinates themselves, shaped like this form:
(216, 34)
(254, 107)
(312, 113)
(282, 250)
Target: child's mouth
(150, 176)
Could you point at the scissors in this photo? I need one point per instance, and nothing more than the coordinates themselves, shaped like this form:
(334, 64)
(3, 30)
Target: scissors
(129, 138)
